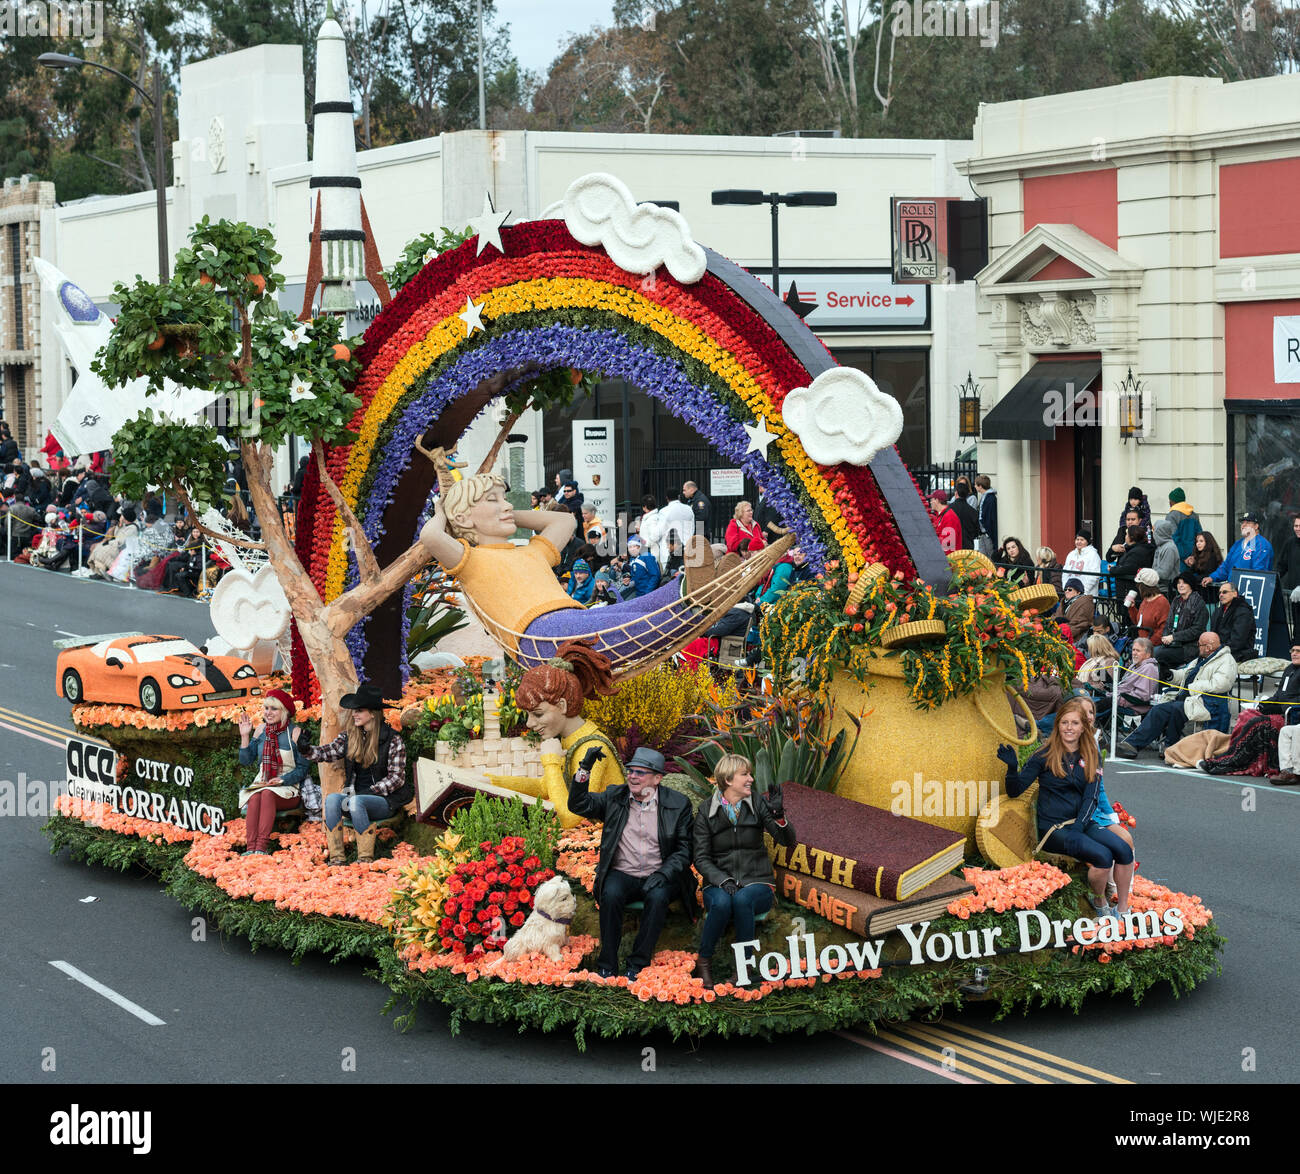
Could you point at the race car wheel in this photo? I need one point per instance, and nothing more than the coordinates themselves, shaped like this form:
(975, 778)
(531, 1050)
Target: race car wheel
(72, 686)
(150, 696)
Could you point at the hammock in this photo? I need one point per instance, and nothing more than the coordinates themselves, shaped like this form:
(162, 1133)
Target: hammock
(642, 643)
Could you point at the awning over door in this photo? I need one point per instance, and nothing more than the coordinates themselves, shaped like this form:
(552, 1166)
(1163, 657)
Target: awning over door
(1036, 406)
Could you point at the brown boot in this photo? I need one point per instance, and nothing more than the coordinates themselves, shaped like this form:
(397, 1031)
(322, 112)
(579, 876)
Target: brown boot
(366, 845)
(1285, 779)
(699, 563)
(704, 972)
(334, 840)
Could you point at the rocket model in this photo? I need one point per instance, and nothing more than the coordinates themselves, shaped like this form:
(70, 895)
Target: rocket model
(342, 245)
(94, 411)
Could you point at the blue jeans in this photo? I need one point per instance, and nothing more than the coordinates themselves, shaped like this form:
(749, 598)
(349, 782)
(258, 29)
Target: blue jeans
(364, 810)
(720, 909)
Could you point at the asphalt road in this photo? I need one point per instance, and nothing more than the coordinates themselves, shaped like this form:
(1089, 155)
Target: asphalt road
(231, 1015)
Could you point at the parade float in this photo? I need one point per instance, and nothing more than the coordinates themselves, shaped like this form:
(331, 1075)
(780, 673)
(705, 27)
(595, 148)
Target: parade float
(888, 686)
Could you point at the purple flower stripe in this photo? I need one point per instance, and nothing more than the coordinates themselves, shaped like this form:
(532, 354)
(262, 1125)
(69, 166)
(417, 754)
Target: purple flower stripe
(586, 349)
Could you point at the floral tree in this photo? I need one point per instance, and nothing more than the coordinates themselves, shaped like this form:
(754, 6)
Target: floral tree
(216, 326)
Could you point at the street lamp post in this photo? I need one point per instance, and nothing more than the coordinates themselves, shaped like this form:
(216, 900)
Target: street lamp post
(66, 61)
(775, 200)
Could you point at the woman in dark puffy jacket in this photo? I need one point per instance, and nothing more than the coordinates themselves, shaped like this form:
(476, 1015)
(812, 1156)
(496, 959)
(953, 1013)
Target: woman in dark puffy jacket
(1187, 619)
(730, 855)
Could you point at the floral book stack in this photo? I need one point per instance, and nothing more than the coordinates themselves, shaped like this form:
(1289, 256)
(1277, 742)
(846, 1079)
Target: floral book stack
(860, 847)
(863, 914)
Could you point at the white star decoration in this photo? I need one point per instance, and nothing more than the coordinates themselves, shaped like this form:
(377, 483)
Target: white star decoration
(759, 437)
(487, 225)
(471, 315)
(293, 339)
(300, 389)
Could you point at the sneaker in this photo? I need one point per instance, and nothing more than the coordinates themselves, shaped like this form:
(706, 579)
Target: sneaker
(1126, 749)
(633, 973)
(604, 972)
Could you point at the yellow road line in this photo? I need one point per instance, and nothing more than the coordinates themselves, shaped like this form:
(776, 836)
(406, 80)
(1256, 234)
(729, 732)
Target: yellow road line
(1108, 1077)
(946, 1061)
(35, 722)
(980, 1050)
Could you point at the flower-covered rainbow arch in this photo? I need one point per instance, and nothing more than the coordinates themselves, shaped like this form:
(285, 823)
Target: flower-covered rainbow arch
(679, 322)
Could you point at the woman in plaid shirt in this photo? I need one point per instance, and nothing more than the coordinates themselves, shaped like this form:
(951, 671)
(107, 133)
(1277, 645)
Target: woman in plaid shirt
(374, 765)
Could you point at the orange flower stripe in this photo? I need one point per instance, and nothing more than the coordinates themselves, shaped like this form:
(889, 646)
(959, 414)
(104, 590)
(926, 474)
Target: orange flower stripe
(554, 294)
(100, 815)
(666, 980)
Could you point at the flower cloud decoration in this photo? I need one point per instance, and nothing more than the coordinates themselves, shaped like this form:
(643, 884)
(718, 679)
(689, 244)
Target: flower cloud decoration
(247, 608)
(843, 417)
(599, 210)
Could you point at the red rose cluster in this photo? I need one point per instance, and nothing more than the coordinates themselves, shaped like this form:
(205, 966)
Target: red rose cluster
(488, 895)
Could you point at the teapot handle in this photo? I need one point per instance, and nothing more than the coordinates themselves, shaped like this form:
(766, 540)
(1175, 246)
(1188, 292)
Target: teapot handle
(1004, 735)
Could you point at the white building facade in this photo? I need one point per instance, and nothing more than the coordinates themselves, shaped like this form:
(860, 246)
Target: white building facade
(1151, 228)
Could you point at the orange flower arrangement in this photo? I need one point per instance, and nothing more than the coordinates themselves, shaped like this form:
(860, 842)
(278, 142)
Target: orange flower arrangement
(578, 852)
(1024, 886)
(297, 877)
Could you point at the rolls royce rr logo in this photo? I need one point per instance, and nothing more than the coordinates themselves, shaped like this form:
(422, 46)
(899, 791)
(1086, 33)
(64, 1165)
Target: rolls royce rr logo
(89, 421)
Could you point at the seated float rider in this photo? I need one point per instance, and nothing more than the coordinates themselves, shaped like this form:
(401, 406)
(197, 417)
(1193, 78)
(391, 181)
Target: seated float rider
(552, 695)
(514, 587)
(374, 771)
(279, 785)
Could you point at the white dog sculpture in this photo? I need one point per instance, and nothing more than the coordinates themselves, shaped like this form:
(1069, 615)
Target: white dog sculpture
(547, 925)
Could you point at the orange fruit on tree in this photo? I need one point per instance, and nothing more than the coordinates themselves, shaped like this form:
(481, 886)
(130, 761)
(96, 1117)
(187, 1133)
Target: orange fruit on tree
(205, 279)
(258, 282)
(156, 344)
(341, 352)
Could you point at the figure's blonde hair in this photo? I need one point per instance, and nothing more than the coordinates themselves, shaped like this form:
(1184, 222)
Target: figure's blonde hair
(464, 495)
(363, 744)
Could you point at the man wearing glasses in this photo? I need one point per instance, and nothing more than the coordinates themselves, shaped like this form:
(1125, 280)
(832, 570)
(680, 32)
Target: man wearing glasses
(1202, 688)
(645, 855)
(1235, 623)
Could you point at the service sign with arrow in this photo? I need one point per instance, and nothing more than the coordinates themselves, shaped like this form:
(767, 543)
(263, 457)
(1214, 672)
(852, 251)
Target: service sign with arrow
(857, 300)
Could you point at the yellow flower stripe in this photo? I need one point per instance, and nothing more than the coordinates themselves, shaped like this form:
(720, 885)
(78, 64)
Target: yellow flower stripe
(569, 293)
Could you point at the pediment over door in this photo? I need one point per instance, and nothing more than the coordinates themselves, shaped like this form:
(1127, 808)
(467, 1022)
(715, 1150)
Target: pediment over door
(1060, 289)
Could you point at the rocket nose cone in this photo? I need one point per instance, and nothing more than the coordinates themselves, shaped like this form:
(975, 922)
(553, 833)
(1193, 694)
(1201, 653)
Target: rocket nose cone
(50, 277)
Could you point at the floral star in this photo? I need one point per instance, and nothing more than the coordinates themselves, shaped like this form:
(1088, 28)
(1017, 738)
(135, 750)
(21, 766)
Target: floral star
(293, 339)
(759, 437)
(472, 316)
(300, 389)
(487, 225)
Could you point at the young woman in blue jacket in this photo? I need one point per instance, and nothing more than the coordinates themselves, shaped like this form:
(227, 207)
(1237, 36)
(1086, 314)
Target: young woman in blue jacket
(1068, 773)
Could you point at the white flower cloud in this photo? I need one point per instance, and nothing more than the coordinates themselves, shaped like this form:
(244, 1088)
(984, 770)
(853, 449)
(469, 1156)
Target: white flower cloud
(843, 417)
(599, 210)
(247, 608)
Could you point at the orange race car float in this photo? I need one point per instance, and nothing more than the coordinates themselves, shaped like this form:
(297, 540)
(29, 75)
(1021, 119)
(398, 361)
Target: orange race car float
(154, 672)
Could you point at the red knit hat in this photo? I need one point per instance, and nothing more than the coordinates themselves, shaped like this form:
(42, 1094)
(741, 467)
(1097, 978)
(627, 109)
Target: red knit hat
(285, 699)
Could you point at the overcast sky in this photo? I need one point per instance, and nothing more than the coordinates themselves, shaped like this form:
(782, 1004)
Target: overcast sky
(537, 27)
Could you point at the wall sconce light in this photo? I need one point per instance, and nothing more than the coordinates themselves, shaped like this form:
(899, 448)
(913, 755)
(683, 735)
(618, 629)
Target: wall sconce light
(1133, 421)
(968, 404)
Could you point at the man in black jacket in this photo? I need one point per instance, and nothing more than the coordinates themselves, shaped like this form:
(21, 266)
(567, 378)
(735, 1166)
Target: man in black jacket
(1234, 623)
(645, 853)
